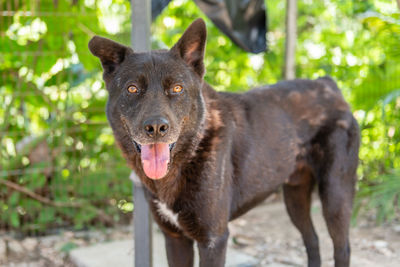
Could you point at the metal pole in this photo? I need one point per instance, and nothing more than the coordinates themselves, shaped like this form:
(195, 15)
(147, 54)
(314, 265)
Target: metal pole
(141, 226)
(141, 22)
(140, 40)
(291, 37)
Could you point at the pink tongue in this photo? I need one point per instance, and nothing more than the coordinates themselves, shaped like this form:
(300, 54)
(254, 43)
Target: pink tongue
(155, 159)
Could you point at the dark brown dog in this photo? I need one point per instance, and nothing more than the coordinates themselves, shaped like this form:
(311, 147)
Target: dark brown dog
(207, 157)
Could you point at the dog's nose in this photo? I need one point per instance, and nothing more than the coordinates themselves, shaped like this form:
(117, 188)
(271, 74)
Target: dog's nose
(157, 126)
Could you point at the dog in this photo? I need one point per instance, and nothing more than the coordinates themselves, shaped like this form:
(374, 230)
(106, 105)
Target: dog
(207, 157)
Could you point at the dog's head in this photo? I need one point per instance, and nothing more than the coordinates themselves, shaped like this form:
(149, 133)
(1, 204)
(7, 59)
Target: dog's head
(152, 96)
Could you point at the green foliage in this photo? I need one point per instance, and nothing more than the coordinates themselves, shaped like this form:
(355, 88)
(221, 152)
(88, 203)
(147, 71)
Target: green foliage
(56, 143)
(382, 196)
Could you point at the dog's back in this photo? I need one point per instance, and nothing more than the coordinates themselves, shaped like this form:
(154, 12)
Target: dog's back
(281, 135)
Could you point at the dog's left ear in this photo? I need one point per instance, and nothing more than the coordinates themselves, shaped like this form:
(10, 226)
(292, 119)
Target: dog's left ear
(111, 53)
(191, 46)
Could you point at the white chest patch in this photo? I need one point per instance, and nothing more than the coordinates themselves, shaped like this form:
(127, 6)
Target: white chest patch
(167, 214)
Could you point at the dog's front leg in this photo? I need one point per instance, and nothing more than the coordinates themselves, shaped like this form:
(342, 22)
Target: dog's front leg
(212, 253)
(179, 250)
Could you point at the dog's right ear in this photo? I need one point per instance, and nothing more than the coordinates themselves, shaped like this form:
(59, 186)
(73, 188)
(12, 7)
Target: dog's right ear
(111, 53)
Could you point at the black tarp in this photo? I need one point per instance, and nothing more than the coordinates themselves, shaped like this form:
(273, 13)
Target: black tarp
(243, 21)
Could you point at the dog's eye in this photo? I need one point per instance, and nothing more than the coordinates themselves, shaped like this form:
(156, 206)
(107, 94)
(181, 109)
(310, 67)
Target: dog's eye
(132, 89)
(177, 89)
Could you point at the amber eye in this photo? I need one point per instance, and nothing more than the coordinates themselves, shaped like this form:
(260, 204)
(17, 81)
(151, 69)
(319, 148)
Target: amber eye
(177, 89)
(133, 89)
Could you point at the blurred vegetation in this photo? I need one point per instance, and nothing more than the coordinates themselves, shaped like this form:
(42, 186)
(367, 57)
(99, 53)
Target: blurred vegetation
(54, 139)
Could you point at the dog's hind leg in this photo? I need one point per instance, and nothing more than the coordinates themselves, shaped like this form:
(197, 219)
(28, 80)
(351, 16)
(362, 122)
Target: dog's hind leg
(336, 189)
(298, 202)
(180, 251)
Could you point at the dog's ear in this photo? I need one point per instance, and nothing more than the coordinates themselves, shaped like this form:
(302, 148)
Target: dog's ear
(191, 46)
(111, 53)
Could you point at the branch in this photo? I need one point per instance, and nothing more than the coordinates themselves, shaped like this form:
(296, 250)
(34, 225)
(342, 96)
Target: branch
(398, 4)
(102, 215)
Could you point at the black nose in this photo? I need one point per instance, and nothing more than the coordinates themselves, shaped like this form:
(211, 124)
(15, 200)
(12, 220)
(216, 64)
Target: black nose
(157, 126)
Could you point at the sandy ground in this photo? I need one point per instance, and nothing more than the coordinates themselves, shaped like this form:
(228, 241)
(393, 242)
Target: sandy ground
(265, 233)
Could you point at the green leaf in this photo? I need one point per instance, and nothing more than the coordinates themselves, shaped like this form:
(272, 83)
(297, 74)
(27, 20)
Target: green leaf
(47, 215)
(14, 219)
(14, 199)
(67, 247)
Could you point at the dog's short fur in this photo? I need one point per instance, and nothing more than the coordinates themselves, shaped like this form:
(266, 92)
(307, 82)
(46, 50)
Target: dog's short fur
(228, 152)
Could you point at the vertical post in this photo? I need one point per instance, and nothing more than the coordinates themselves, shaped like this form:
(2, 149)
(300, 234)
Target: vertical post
(140, 40)
(141, 22)
(289, 71)
(141, 225)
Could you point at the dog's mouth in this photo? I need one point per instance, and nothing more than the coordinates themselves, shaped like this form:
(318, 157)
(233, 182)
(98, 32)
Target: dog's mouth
(138, 147)
(155, 158)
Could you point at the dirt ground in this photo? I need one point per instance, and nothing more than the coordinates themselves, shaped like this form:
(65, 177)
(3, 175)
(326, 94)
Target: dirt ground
(265, 233)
